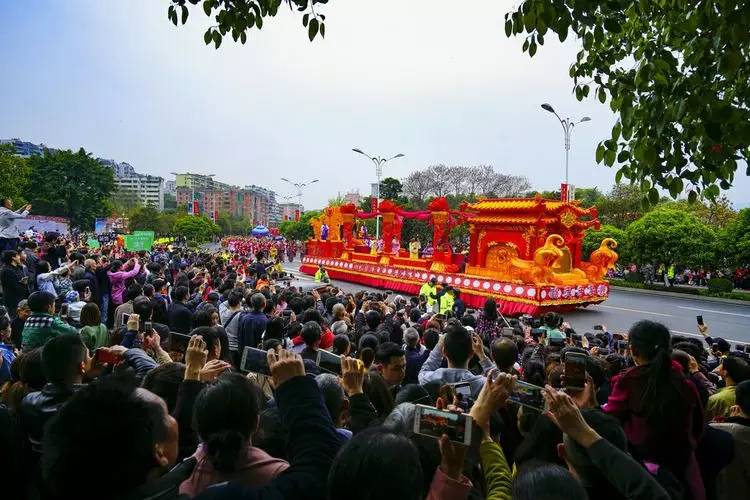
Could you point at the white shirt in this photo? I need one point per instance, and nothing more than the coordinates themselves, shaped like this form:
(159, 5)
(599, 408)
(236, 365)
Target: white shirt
(7, 227)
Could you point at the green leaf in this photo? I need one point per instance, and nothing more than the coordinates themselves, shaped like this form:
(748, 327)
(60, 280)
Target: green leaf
(618, 176)
(623, 156)
(532, 48)
(243, 38)
(653, 196)
(322, 30)
(692, 196)
(207, 36)
(305, 20)
(650, 155)
(508, 28)
(612, 25)
(525, 46)
(259, 22)
(602, 95)
(217, 39)
(609, 157)
(645, 185)
(600, 150)
(207, 6)
(713, 130)
(312, 29)
(184, 14)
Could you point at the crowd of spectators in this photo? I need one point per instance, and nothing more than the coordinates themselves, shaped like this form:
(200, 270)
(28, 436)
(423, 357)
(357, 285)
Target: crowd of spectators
(128, 376)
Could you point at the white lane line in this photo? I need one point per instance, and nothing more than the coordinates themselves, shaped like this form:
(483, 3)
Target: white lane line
(714, 311)
(702, 337)
(636, 311)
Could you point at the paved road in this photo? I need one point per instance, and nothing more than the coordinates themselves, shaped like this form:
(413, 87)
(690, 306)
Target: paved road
(623, 308)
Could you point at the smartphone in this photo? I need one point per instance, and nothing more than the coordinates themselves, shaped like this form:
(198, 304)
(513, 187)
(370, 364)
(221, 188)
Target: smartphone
(63, 310)
(462, 391)
(700, 319)
(622, 344)
(103, 356)
(148, 326)
(329, 362)
(125, 318)
(506, 332)
(599, 328)
(178, 342)
(431, 422)
(575, 371)
(255, 361)
(528, 395)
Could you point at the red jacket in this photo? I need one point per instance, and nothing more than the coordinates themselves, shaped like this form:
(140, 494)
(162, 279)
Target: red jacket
(671, 441)
(326, 339)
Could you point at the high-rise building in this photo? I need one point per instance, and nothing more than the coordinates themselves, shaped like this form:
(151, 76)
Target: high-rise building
(147, 190)
(199, 182)
(26, 149)
(170, 187)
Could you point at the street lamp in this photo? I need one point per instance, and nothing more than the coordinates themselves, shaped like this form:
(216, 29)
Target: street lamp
(378, 161)
(567, 125)
(299, 186)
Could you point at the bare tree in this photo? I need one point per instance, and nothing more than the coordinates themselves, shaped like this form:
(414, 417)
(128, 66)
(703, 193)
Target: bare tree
(417, 184)
(440, 176)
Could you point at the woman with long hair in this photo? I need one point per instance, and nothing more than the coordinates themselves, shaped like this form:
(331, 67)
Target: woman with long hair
(226, 416)
(488, 324)
(659, 408)
(93, 332)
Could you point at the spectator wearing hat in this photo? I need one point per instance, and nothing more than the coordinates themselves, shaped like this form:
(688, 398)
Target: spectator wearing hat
(75, 305)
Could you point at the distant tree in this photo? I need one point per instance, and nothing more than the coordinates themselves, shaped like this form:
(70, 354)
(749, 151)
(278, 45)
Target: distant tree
(593, 239)
(417, 185)
(72, 185)
(588, 196)
(734, 240)
(390, 188)
(621, 206)
(299, 230)
(14, 175)
(196, 228)
(145, 219)
(716, 214)
(671, 236)
(461, 181)
(336, 201)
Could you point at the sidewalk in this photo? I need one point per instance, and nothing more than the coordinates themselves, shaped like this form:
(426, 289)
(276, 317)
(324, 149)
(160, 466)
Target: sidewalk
(681, 295)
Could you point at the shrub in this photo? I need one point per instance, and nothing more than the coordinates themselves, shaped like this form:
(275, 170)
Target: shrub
(718, 285)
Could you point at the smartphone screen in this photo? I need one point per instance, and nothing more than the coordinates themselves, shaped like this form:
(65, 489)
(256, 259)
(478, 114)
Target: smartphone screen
(148, 326)
(598, 327)
(255, 361)
(178, 342)
(575, 370)
(429, 421)
(528, 395)
(329, 362)
(63, 310)
(125, 318)
(507, 332)
(700, 319)
(463, 395)
(102, 356)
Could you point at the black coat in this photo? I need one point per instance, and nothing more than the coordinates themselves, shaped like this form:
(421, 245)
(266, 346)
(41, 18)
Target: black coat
(180, 318)
(13, 290)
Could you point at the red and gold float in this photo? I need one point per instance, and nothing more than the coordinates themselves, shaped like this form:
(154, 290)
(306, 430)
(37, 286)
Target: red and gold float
(525, 253)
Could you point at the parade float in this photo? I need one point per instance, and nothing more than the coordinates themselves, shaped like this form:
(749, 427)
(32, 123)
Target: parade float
(525, 252)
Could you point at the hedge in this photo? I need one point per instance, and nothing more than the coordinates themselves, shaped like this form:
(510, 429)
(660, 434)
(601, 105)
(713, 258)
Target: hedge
(678, 289)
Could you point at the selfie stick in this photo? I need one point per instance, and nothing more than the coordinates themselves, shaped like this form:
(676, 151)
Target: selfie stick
(506, 321)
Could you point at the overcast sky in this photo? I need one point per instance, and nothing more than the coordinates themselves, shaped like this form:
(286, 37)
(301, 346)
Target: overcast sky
(424, 78)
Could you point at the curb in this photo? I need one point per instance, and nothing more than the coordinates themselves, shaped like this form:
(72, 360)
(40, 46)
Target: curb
(680, 295)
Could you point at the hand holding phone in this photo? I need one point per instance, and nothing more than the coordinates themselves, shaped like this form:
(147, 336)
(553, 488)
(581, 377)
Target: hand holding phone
(699, 318)
(431, 422)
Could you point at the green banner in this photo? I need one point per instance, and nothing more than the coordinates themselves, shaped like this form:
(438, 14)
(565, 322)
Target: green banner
(139, 240)
(92, 243)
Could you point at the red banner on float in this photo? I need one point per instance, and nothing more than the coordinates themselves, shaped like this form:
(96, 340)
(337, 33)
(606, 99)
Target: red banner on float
(196, 208)
(373, 204)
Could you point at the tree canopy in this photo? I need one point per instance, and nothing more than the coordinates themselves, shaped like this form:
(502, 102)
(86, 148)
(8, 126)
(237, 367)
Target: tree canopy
(675, 71)
(671, 236)
(72, 185)
(196, 228)
(14, 175)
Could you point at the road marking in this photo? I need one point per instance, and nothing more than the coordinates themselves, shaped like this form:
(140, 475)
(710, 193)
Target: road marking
(702, 337)
(636, 311)
(715, 312)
